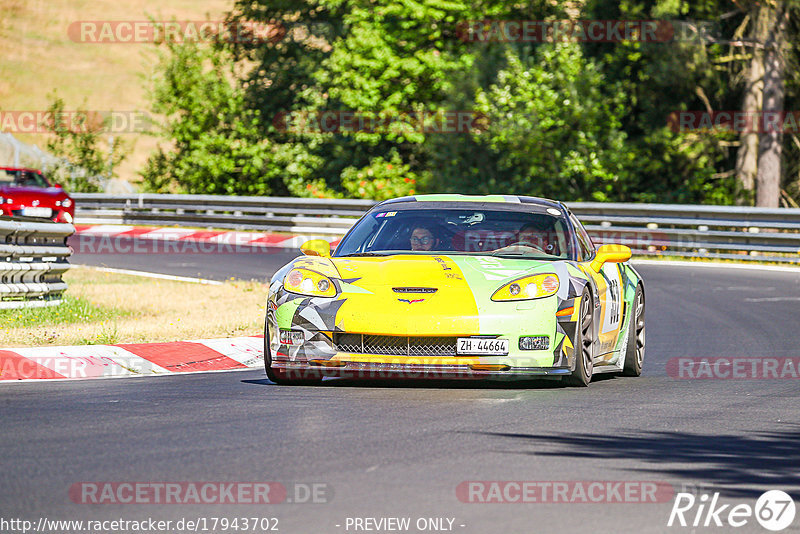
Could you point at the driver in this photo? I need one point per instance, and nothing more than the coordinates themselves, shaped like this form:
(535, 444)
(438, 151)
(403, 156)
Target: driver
(423, 238)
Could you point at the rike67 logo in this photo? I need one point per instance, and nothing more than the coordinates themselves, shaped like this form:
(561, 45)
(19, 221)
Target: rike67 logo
(774, 510)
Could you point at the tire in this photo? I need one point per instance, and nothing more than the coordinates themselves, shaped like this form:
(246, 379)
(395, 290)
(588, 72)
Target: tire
(634, 355)
(281, 376)
(584, 341)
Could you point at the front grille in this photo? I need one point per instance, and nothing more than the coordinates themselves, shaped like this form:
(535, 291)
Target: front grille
(395, 345)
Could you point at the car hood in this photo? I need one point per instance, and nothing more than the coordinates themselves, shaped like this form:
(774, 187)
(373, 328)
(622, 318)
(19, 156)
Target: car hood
(31, 192)
(424, 295)
(436, 271)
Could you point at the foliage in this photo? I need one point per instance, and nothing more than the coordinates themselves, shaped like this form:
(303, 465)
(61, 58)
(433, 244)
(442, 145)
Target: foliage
(217, 147)
(551, 130)
(577, 121)
(380, 180)
(83, 165)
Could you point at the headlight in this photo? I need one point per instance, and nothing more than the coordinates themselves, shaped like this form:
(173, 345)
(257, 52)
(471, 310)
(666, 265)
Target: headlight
(307, 282)
(292, 337)
(66, 203)
(531, 287)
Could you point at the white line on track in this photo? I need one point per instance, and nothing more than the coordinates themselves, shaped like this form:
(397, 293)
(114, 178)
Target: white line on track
(771, 299)
(718, 265)
(153, 275)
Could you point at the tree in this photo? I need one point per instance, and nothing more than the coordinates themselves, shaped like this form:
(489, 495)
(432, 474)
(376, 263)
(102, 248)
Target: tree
(567, 120)
(770, 145)
(83, 166)
(215, 141)
(551, 128)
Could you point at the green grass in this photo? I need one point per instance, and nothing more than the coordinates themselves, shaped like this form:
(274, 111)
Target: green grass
(109, 335)
(72, 310)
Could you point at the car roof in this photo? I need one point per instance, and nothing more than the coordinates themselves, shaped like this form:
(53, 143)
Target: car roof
(25, 169)
(508, 202)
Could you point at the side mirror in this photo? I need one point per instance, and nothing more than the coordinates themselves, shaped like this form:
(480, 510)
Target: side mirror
(610, 253)
(316, 247)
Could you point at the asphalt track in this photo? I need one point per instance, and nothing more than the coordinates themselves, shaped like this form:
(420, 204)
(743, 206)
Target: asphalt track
(249, 263)
(401, 450)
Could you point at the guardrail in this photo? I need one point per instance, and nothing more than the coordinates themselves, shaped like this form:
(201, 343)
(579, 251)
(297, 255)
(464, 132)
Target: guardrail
(33, 256)
(296, 215)
(728, 232)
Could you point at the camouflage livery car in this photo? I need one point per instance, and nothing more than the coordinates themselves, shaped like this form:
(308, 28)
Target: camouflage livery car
(452, 286)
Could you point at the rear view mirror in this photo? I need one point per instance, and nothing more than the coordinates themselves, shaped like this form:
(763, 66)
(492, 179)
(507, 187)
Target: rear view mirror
(610, 253)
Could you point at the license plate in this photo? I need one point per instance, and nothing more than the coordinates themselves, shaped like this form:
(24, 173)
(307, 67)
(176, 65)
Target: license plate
(37, 212)
(478, 346)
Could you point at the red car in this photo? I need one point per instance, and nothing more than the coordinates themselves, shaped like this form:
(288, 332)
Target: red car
(27, 192)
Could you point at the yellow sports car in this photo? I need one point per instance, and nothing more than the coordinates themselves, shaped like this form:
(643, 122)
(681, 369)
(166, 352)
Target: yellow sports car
(452, 286)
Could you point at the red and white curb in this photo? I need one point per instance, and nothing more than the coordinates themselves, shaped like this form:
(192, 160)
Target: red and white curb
(145, 359)
(217, 237)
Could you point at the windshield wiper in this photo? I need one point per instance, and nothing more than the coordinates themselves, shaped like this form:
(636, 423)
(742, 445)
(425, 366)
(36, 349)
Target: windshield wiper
(510, 253)
(522, 254)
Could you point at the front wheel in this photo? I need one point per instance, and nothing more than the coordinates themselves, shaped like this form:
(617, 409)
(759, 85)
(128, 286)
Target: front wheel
(282, 376)
(584, 340)
(634, 355)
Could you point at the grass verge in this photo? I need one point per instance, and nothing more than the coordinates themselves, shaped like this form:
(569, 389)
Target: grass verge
(107, 308)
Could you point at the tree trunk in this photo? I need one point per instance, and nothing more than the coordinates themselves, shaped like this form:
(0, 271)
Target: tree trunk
(768, 176)
(747, 155)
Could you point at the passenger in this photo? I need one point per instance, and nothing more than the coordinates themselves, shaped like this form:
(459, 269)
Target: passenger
(532, 235)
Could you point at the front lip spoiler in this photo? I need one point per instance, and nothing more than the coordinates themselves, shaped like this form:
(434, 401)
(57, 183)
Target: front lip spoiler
(411, 371)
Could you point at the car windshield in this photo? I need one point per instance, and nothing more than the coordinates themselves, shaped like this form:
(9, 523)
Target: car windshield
(484, 232)
(22, 178)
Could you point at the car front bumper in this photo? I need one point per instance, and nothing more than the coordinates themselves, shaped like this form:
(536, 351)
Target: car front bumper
(414, 368)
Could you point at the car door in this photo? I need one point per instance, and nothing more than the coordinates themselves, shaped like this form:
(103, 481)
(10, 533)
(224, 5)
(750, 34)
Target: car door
(611, 312)
(608, 282)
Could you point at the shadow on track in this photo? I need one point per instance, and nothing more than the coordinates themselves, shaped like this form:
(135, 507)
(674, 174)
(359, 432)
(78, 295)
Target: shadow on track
(438, 383)
(735, 465)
